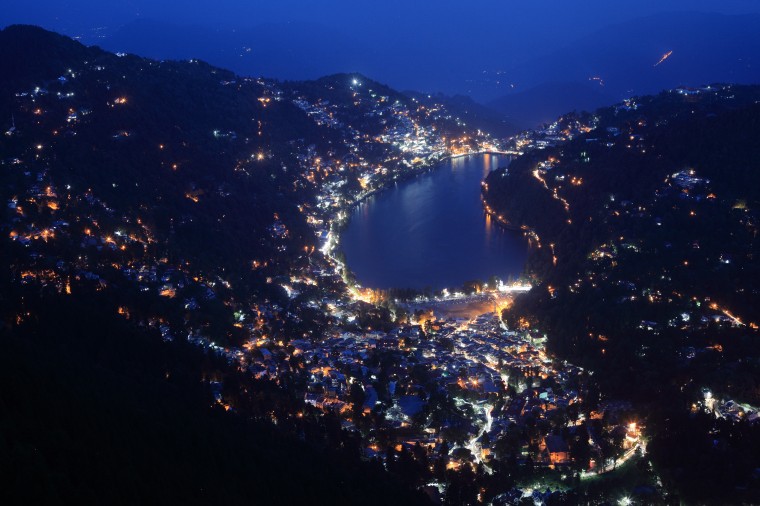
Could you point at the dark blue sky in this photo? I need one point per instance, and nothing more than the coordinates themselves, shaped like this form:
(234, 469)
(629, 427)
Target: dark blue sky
(429, 45)
(471, 15)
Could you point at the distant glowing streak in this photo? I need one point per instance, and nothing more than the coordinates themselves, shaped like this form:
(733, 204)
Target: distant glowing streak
(664, 57)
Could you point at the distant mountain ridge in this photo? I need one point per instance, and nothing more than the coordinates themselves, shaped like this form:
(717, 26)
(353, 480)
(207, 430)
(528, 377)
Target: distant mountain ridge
(543, 103)
(705, 48)
(280, 50)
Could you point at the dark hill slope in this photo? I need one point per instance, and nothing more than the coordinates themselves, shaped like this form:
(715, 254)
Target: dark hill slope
(129, 188)
(647, 271)
(140, 135)
(119, 417)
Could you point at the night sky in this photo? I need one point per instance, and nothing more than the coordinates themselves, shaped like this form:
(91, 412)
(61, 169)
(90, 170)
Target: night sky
(427, 45)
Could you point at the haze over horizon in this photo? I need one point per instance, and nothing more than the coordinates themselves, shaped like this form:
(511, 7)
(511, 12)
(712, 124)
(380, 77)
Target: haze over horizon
(442, 46)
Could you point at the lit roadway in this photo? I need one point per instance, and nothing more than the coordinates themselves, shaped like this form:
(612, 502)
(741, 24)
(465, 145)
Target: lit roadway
(611, 466)
(473, 444)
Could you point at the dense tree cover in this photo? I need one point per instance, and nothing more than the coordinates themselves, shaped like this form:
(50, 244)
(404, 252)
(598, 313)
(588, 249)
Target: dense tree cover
(647, 261)
(96, 411)
(707, 461)
(618, 208)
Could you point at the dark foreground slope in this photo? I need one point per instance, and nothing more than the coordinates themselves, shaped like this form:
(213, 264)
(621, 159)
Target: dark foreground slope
(117, 416)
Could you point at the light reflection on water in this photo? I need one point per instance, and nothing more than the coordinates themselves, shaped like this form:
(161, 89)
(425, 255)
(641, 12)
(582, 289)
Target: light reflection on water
(432, 232)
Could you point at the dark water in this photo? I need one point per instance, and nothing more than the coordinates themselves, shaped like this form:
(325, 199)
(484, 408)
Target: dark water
(432, 232)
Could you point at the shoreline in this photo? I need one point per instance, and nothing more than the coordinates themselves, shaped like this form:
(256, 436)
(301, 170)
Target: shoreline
(341, 217)
(528, 232)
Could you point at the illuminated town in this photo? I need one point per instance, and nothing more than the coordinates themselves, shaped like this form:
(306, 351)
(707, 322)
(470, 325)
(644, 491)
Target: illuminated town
(216, 234)
(456, 388)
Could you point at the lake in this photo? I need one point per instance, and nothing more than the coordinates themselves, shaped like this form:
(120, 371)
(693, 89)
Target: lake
(431, 231)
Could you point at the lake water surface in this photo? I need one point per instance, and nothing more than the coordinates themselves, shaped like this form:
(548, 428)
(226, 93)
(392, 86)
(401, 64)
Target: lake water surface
(432, 231)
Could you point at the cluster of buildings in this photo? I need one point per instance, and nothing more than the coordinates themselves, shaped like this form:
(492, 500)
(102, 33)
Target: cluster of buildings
(466, 383)
(727, 408)
(459, 385)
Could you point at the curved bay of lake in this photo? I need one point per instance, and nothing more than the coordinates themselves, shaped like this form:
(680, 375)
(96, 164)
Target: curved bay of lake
(431, 231)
